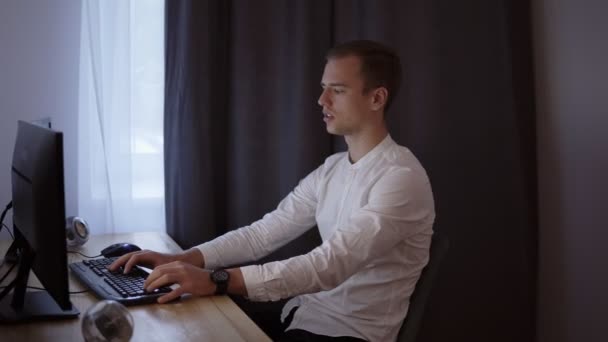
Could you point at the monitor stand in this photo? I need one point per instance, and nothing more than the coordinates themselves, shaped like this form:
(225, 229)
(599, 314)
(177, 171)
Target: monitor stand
(38, 305)
(22, 305)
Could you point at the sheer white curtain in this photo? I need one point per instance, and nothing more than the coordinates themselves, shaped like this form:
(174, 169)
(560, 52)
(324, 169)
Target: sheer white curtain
(120, 137)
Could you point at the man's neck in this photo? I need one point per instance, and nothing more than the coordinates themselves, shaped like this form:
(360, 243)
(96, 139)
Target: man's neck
(360, 144)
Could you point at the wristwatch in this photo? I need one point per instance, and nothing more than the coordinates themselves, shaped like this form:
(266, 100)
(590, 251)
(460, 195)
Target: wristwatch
(220, 278)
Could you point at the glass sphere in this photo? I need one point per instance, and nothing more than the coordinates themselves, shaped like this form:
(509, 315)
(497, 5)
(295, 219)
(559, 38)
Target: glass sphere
(107, 320)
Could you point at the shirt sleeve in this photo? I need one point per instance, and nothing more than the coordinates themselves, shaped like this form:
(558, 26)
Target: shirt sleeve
(294, 215)
(400, 205)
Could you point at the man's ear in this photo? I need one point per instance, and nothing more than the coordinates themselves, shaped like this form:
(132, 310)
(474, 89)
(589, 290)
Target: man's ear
(379, 98)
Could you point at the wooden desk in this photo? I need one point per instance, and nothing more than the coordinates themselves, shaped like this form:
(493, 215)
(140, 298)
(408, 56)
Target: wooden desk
(190, 319)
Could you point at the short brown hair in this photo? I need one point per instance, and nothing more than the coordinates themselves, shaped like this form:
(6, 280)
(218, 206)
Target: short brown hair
(380, 65)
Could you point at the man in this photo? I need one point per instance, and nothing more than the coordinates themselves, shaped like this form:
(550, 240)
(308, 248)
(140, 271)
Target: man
(373, 206)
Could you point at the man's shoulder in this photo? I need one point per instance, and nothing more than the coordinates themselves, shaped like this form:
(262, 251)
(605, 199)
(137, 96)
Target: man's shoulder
(399, 157)
(331, 163)
(334, 158)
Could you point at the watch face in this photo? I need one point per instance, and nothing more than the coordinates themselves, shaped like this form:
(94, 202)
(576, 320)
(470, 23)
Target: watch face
(220, 276)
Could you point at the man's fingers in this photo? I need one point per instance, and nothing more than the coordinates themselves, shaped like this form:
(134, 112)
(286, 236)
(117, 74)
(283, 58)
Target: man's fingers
(157, 272)
(152, 277)
(171, 295)
(165, 279)
(159, 277)
(133, 261)
(120, 261)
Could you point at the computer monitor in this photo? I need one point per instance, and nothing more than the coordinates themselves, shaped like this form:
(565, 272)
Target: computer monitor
(39, 228)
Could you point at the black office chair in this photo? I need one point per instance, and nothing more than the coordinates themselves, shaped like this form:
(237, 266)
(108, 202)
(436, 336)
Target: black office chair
(418, 300)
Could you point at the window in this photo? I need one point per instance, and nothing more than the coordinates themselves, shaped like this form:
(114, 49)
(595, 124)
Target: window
(121, 171)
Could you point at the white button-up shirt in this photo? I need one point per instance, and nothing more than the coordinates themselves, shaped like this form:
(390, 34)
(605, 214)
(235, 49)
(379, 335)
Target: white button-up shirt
(375, 218)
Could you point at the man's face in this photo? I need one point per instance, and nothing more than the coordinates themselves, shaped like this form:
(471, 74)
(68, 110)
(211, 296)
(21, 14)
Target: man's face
(346, 109)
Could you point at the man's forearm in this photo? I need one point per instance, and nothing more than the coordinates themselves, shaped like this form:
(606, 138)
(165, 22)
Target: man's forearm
(194, 257)
(236, 285)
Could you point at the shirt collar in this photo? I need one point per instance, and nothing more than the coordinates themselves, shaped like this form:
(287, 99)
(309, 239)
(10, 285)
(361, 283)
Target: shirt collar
(378, 149)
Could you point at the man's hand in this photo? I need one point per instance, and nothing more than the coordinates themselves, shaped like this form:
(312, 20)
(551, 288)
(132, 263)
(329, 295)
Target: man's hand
(146, 258)
(151, 259)
(191, 279)
(184, 269)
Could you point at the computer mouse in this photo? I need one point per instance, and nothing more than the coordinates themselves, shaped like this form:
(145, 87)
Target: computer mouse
(119, 249)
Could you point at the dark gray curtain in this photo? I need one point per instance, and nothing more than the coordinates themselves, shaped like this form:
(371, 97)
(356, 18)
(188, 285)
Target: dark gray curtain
(242, 126)
(241, 121)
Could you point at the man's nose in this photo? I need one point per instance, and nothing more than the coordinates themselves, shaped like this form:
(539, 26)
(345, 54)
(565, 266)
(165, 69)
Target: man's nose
(323, 100)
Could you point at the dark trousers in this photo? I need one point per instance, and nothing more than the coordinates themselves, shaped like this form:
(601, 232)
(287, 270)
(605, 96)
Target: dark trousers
(267, 316)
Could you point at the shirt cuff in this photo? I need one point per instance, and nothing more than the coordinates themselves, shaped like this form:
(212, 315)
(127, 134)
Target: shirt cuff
(210, 255)
(254, 282)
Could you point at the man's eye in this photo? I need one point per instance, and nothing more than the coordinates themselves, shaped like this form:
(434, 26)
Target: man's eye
(339, 91)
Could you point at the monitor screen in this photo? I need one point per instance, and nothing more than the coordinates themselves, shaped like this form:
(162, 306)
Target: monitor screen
(39, 226)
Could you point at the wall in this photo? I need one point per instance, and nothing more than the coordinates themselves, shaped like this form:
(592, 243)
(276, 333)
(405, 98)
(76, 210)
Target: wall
(39, 53)
(572, 70)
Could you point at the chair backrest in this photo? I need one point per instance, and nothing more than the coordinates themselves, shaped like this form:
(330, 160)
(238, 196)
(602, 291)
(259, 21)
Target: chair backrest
(418, 300)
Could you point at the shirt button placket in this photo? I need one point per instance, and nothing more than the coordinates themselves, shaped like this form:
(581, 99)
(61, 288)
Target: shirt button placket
(350, 176)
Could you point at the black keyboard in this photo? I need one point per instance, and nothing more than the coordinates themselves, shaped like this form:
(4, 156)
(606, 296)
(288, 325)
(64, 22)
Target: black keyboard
(124, 288)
